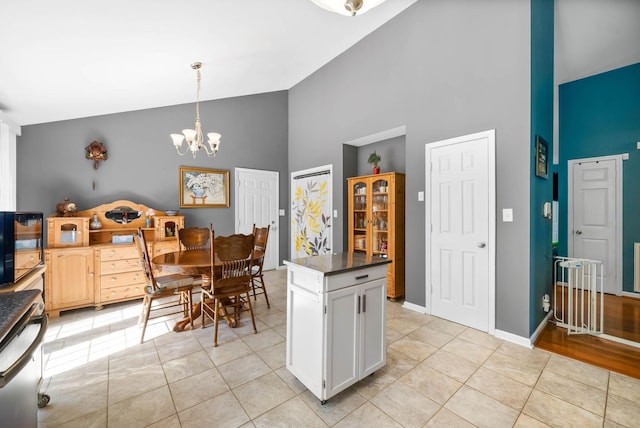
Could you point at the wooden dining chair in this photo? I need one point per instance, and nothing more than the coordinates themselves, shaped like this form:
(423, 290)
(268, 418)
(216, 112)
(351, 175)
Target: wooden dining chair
(194, 238)
(231, 280)
(162, 293)
(257, 279)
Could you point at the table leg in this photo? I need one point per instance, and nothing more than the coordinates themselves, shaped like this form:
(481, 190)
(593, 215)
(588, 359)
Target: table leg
(196, 311)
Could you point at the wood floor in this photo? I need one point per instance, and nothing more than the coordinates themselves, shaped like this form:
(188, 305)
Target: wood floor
(621, 319)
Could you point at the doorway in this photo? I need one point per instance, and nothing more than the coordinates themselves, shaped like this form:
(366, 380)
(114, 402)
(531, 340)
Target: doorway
(595, 215)
(460, 229)
(257, 202)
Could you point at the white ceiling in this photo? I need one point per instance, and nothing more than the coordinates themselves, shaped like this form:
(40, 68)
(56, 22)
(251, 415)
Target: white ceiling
(67, 59)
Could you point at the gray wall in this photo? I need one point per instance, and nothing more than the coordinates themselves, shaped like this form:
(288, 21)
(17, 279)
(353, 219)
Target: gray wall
(442, 69)
(391, 151)
(143, 165)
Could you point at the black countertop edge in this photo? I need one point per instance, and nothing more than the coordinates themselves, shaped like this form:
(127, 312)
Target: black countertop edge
(333, 264)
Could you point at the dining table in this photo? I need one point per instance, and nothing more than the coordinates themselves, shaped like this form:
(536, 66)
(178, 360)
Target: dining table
(193, 262)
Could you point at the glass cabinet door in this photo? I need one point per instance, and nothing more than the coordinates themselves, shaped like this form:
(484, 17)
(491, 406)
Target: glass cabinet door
(360, 221)
(380, 217)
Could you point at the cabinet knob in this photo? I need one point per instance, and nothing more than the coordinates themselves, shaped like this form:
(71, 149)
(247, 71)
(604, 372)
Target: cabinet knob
(90, 273)
(113, 279)
(113, 265)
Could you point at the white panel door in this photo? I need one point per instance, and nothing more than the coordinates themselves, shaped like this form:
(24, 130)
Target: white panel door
(257, 203)
(459, 243)
(594, 216)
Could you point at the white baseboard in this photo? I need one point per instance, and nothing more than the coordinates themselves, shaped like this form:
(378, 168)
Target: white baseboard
(541, 327)
(414, 307)
(513, 338)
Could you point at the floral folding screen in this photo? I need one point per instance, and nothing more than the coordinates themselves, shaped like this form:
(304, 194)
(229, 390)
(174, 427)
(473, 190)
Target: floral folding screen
(311, 206)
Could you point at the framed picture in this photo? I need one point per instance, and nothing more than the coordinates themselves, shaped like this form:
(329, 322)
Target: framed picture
(203, 188)
(542, 159)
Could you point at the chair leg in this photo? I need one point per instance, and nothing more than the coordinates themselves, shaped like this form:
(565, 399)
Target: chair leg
(264, 289)
(146, 309)
(190, 306)
(254, 279)
(253, 320)
(215, 321)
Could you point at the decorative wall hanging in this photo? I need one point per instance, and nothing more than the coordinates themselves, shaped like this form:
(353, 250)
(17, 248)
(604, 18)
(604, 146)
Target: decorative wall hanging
(542, 160)
(96, 152)
(203, 188)
(311, 206)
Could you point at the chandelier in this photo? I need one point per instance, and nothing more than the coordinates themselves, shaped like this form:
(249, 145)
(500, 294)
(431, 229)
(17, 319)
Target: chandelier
(348, 7)
(195, 140)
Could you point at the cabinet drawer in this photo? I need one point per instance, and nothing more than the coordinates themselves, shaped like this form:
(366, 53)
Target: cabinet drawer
(121, 293)
(112, 253)
(117, 266)
(354, 277)
(120, 279)
(27, 259)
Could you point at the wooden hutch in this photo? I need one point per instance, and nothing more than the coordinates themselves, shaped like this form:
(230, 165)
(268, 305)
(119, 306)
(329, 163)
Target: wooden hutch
(376, 223)
(87, 266)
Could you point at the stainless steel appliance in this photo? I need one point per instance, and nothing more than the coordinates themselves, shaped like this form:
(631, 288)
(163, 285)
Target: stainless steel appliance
(22, 328)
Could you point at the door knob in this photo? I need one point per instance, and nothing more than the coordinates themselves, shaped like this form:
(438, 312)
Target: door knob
(578, 232)
(481, 244)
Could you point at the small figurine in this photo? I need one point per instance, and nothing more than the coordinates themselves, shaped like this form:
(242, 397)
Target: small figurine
(66, 208)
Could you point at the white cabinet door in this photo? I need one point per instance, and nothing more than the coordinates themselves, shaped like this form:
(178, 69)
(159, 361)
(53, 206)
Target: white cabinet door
(372, 327)
(305, 312)
(341, 337)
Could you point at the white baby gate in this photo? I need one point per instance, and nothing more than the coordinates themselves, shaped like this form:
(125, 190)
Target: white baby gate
(578, 303)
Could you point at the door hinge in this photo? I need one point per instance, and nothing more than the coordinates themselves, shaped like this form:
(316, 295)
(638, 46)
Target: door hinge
(324, 385)
(325, 309)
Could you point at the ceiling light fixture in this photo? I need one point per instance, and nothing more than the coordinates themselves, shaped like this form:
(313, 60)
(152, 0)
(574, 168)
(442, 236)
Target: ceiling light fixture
(348, 7)
(194, 137)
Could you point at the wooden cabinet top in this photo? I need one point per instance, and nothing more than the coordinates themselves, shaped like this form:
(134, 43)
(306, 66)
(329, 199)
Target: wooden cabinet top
(118, 218)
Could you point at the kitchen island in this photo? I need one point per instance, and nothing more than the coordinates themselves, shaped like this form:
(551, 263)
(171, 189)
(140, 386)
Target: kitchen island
(336, 320)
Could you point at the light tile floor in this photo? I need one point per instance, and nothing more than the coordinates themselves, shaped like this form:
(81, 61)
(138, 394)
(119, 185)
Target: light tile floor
(438, 374)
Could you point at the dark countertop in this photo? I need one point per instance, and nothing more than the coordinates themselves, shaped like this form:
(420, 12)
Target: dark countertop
(13, 306)
(332, 264)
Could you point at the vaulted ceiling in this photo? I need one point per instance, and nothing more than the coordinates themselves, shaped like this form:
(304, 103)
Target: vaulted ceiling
(69, 59)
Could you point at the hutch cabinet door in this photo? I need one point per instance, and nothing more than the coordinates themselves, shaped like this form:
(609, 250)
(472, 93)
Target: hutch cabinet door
(70, 276)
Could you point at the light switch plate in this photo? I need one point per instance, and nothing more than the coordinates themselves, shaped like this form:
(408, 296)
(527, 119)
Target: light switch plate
(507, 214)
(281, 213)
(335, 213)
(420, 196)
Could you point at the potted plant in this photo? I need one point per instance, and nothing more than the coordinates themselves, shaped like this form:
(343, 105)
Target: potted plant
(374, 159)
